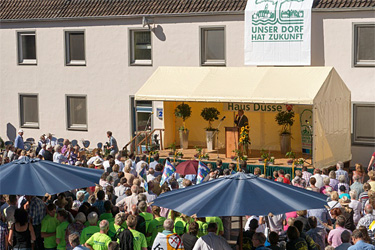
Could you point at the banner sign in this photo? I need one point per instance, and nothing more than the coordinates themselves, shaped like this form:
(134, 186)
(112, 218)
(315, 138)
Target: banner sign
(278, 32)
(306, 130)
(254, 107)
(167, 242)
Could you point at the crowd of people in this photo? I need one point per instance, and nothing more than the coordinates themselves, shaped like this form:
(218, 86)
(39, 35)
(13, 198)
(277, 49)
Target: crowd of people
(118, 213)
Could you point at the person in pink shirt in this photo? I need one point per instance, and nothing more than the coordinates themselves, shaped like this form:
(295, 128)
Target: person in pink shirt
(334, 236)
(289, 215)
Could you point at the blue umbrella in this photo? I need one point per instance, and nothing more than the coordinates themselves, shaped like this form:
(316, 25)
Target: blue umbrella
(239, 195)
(36, 177)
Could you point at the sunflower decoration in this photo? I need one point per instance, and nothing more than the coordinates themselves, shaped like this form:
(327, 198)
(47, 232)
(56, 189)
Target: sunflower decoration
(244, 135)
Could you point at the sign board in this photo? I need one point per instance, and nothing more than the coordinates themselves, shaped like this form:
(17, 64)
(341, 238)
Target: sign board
(159, 113)
(278, 32)
(254, 107)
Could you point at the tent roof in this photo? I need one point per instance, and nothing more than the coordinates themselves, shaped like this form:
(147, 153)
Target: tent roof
(294, 85)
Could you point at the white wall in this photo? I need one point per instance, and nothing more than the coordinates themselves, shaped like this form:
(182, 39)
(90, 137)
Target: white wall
(107, 79)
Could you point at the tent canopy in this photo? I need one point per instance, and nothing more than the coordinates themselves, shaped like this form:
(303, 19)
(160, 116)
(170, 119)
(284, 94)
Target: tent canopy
(240, 84)
(320, 87)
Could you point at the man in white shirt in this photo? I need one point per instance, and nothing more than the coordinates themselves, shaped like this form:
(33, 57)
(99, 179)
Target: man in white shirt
(319, 179)
(211, 240)
(106, 162)
(43, 149)
(155, 162)
(51, 140)
(58, 157)
(130, 200)
(119, 162)
(139, 164)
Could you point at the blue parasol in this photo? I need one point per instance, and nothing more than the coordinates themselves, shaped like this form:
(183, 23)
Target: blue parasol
(239, 195)
(37, 177)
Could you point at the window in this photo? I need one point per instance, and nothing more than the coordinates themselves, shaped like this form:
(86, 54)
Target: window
(213, 46)
(364, 45)
(26, 48)
(77, 112)
(141, 47)
(29, 111)
(363, 124)
(75, 48)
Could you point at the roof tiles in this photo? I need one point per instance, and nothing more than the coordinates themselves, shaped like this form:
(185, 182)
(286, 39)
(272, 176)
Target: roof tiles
(47, 9)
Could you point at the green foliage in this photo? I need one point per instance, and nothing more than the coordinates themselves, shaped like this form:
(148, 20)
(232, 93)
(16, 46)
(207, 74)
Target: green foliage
(286, 120)
(210, 114)
(183, 111)
(173, 147)
(265, 155)
(291, 155)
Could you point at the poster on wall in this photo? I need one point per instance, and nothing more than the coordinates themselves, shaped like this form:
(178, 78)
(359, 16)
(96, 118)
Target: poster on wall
(278, 32)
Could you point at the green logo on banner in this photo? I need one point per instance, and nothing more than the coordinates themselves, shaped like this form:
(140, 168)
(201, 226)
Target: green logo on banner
(277, 11)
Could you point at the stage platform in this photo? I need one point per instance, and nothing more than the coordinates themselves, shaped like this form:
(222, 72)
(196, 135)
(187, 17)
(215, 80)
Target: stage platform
(252, 162)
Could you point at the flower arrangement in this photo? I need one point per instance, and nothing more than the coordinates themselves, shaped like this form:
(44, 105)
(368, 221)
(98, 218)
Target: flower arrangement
(272, 160)
(300, 161)
(244, 135)
(179, 154)
(292, 157)
(173, 149)
(200, 154)
(239, 155)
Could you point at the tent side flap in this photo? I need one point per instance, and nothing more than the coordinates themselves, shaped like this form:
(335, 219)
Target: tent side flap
(331, 122)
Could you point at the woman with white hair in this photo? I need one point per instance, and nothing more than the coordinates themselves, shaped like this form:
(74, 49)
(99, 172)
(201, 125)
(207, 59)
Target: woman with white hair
(58, 157)
(356, 206)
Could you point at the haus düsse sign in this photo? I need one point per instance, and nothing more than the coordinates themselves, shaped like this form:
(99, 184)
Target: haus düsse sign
(278, 32)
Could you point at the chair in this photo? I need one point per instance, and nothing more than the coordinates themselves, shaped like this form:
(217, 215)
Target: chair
(100, 145)
(8, 143)
(60, 141)
(31, 140)
(27, 146)
(86, 143)
(74, 143)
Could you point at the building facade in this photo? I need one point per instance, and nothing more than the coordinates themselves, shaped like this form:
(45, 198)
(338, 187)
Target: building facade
(72, 67)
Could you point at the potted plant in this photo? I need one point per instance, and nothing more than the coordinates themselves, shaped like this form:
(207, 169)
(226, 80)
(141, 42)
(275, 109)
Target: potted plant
(264, 156)
(179, 154)
(173, 150)
(210, 114)
(291, 155)
(300, 162)
(244, 140)
(183, 111)
(285, 119)
(199, 152)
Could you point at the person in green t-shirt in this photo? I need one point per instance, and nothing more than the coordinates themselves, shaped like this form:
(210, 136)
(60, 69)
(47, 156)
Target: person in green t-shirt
(88, 231)
(108, 212)
(118, 225)
(156, 225)
(139, 239)
(202, 226)
(219, 223)
(142, 206)
(100, 240)
(64, 219)
(49, 225)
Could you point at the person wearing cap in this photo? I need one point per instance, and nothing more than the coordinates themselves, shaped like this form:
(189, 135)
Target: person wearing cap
(98, 164)
(18, 142)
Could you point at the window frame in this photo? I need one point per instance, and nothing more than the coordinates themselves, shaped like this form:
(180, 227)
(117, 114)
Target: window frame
(20, 60)
(68, 61)
(75, 127)
(202, 45)
(355, 62)
(24, 124)
(132, 61)
(355, 140)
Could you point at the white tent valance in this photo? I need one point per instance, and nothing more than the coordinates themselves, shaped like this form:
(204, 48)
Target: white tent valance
(321, 87)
